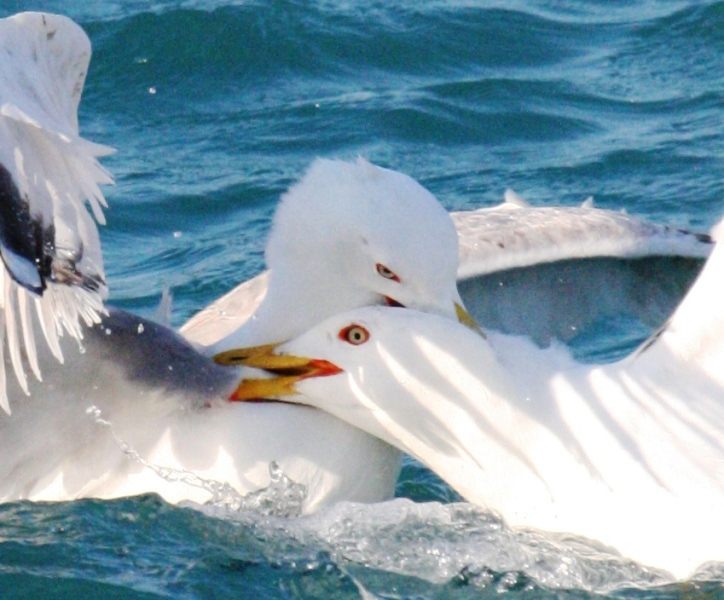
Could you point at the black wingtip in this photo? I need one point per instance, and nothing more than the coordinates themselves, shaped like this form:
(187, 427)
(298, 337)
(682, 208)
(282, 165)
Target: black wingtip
(28, 249)
(21, 237)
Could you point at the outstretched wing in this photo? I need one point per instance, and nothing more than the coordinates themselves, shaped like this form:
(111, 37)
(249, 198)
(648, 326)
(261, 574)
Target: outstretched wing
(552, 272)
(49, 245)
(515, 235)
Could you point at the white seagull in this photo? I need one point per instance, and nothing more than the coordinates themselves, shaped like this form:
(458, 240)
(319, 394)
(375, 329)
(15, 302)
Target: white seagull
(544, 272)
(138, 408)
(630, 454)
(347, 235)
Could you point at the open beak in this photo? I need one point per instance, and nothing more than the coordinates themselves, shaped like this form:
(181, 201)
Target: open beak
(286, 371)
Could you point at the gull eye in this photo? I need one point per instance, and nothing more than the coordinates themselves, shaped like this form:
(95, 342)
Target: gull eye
(387, 273)
(354, 334)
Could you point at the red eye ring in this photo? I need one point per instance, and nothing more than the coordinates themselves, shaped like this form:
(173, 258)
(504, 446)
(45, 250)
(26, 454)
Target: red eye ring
(354, 334)
(386, 272)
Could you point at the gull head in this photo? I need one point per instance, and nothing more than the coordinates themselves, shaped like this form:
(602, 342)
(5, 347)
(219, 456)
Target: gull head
(418, 381)
(351, 234)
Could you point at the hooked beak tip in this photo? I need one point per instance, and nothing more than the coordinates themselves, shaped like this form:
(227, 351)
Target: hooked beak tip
(467, 320)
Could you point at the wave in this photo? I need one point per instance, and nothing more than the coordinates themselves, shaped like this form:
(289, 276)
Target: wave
(457, 73)
(142, 547)
(283, 37)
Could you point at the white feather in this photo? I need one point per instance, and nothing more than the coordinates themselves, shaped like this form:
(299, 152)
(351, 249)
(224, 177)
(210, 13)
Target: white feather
(12, 333)
(51, 329)
(630, 454)
(4, 403)
(43, 63)
(26, 321)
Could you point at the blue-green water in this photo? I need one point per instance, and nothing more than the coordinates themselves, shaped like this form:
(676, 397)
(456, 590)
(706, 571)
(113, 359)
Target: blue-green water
(216, 107)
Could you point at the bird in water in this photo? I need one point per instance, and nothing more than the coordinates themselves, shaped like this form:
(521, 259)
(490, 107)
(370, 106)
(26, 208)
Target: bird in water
(630, 453)
(135, 407)
(347, 235)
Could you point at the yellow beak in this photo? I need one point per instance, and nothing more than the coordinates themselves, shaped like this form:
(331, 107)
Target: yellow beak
(238, 356)
(287, 370)
(465, 318)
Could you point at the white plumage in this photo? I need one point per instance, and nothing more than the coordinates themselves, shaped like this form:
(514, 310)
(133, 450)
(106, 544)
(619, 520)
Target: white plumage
(515, 234)
(348, 235)
(513, 260)
(630, 454)
(49, 173)
(539, 438)
(333, 233)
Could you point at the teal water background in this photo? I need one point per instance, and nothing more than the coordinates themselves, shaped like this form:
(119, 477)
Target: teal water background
(217, 107)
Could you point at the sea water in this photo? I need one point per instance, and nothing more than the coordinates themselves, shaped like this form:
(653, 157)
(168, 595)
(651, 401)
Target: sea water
(216, 107)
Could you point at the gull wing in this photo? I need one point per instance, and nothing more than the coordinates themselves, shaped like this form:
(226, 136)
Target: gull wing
(515, 235)
(49, 244)
(226, 314)
(551, 272)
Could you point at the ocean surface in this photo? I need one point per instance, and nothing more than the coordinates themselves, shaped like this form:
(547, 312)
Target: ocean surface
(216, 107)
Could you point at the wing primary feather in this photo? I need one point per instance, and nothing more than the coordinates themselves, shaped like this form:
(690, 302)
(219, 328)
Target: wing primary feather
(12, 334)
(3, 378)
(50, 187)
(26, 321)
(48, 323)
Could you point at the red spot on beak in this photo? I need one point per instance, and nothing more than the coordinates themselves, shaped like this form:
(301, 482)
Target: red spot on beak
(321, 368)
(393, 302)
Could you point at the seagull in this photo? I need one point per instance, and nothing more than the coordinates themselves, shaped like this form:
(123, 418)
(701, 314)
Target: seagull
(352, 234)
(135, 408)
(139, 410)
(348, 234)
(549, 273)
(629, 453)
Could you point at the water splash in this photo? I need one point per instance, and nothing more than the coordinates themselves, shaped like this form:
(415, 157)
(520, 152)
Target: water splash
(282, 498)
(463, 545)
